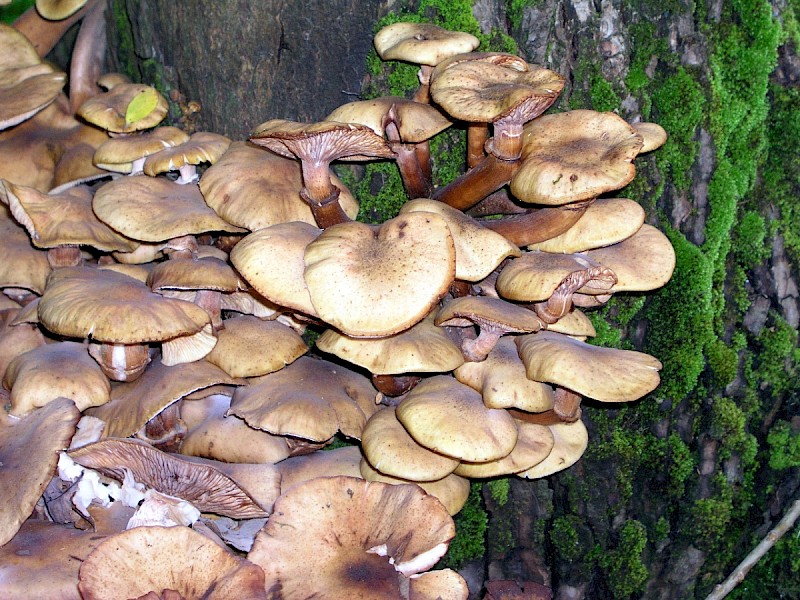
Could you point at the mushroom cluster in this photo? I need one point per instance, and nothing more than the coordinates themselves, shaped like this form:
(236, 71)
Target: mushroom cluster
(155, 373)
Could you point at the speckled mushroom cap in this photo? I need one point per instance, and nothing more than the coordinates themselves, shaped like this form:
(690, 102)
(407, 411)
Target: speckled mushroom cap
(416, 121)
(423, 348)
(57, 10)
(144, 560)
(605, 374)
(272, 261)
(23, 266)
(370, 281)
(29, 450)
(324, 141)
(534, 444)
(606, 221)
(450, 418)
(250, 347)
(502, 381)
(255, 189)
(644, 261)
(52, 371)
(478, 250)
(310, 398)
(109, 109)
(119, 154)
(152, 209)
(201, 147)
(483, 91)
(380, 531)
(392, 451)
(421, 43)
(110, 307)
(208, 488)
(452, 491)
(134, 403)
(575, 155)
(570, 441)
(62, 219)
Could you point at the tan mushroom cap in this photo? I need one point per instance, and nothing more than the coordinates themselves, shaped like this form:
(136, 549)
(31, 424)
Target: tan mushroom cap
(502, 381)
(575, 155)
(119, 154)
(52, 371)
(365, 538)
(450, 418)
(416, 121)
(109, 109)
(487, 312)
(423, 348)
(645, 261)
(15, 337)
(152, 209)
(206, 487)
(29, 568)
(62, 219)
(201, 147)
(323, 463)
(481, 91)
(442, 584)
(392, 451)
(535, 276)
(29, 450)
(452, 490)
(57, 10)
(605, 374)
(75, 167)
(249, 347)
(653, 134)
(24, 92)
(272, 260)
(141, 560)
(17, 50)
(606, 221)
(421, 43)
(310, 398)
(134, 403)
(534, 444)
(574, 323)
(255, 189)
(23, 266)
(210, 434)
(371, 281)
(208, 273)
(478, 250)
(111, 307)
(324, 141)
(570, 442)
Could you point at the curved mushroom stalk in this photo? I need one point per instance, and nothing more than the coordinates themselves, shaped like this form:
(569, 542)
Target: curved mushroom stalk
(88, 55)
(121, 362)
(596, 277)
(567, 405)
(413, 160)
(538, 224)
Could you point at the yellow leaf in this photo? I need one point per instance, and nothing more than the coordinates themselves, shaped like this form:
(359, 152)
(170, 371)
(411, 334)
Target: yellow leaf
(142, 105)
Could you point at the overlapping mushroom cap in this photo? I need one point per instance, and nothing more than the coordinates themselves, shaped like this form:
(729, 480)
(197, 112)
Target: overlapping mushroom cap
(421, 43)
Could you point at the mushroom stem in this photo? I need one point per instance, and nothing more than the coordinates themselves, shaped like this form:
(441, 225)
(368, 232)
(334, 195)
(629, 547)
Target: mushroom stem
(395, 385)
(88, 56)
(43, 33)
(211, 302)
(414, 180)
(327, 212)
(468, 189)
(497, 203)
(477, 134)
(538, 224)
(423, 93)
(188, 174)
(560, 302)
(64, 256)
(567, 405)
(166, 430)
(477, 349)
(120, 362)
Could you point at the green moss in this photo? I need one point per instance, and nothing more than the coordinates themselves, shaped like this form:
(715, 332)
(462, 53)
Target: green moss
(682, 464)
(565, 539)
(723, 362)
(661, 530)
(626, 572)
(784, 446)
(776, 363)
(470, 540)
(603, 96)
(499, 488)
(9, 13)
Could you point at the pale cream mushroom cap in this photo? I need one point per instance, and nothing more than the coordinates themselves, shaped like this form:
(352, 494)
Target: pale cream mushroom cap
(574, 323)
(57, 10)
(392, 451)
(378, 532)
(573, 156)
(421, 43)
(606, 221)
(322, 463)
(478, 249)
(375, 281)
(605, 374)
(653, 134)
(62, 369)
(570, 442)
(423, 348)
(119, 154)
(443, 584)
(29, 450)
(141, 560)
(450, 418)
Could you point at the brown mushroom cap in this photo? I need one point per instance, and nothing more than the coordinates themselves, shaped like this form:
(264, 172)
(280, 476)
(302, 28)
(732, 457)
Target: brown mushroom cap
(570, 442)
(605, 374)
(653, 134)
(118, 154)
(109, 110)
(23, 266)
(421, 43)
(375, 281)
(58, 10)
(29, 450)
(573, 156)
(155, 559)
(355, 528)
(201, 147)
(328, 463)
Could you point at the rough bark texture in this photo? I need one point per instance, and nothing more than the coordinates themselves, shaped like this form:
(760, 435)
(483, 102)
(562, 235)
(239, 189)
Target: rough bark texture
(677, 488)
